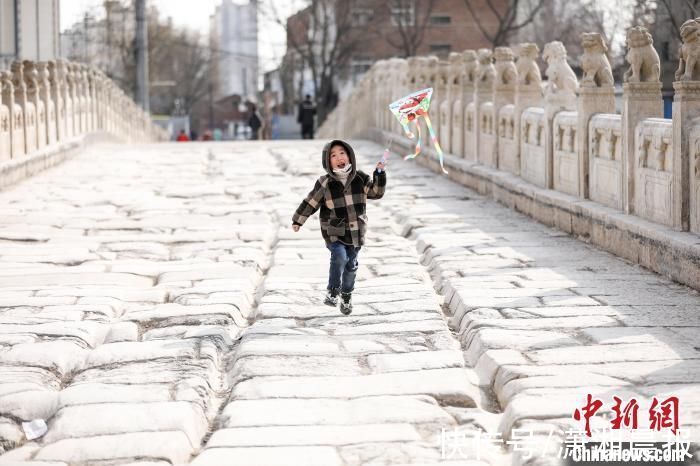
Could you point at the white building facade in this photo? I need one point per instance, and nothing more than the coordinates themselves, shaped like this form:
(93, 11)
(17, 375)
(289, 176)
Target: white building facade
(234, 36)
(29, 30)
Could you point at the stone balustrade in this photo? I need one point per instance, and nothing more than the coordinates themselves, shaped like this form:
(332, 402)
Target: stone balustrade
(45, 104)
(493, 109)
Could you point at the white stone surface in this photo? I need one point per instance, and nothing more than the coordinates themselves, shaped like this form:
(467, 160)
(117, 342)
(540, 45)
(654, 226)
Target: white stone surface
(139, 354)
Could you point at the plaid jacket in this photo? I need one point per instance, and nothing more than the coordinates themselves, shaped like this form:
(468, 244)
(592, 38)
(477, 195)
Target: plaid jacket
(340, 202)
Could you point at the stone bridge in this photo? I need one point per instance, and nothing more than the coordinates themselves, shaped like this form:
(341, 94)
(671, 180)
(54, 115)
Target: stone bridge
(156, 308)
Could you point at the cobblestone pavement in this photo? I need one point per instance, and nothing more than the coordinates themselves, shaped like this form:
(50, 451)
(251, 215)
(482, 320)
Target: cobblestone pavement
(157, 309)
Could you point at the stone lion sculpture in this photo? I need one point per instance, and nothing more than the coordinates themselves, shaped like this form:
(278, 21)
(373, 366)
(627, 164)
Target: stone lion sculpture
(506, 73)
(596, 67)
(470, 63)
(486, 72)
(561, 78)
(643, 59)
(528, 71)
(689, 51)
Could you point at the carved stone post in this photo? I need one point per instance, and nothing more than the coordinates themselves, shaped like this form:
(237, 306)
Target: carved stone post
(437, 70)
(686, 108)
(560, 95)
(453, 92)
(21, 100)
(400, 89)
(432, 77)
(641, 99)
(596, 95)
(100, 100)
(68, 97)
(82, 97)
(483, 93)
(462, 147)
(441, 89)
(528, 92)
(49, 105)
(57, 97)
(377, 76)
(503, 91)
(8, 99)
(31, 79)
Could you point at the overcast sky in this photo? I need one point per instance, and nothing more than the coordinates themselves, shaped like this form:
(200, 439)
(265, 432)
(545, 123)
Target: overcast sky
(195, 14)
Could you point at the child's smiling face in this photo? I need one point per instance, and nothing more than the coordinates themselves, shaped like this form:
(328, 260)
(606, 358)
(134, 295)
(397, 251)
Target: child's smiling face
(339, 157)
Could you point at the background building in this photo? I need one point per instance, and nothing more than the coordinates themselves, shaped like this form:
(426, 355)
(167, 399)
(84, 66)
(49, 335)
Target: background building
(234, 38)
(374, 30)
(29, 30)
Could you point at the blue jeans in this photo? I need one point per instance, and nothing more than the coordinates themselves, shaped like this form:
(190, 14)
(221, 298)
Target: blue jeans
(343, 266)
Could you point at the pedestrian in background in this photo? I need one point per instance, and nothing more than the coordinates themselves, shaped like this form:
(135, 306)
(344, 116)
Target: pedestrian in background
(182, 137)
(255, 122)
(307, 111)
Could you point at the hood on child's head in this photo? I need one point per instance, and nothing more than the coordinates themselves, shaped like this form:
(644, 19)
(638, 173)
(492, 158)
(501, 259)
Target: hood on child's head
(326, 157)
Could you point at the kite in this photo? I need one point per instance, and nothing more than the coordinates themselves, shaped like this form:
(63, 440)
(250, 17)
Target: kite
(410, 108)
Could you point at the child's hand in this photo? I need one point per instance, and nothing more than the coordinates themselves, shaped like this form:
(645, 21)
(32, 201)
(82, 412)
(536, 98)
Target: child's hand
(381, 166)
(295, 227)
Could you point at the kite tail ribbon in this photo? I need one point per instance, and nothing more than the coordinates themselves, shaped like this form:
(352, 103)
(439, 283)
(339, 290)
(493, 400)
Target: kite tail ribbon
(418, 143)
(436, 144)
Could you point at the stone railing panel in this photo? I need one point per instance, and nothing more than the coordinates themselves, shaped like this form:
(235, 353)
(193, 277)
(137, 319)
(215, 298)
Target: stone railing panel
(533, 163)
(507, 151)
(565, 163)
(487, 136)
(654, 194)
(605, 157)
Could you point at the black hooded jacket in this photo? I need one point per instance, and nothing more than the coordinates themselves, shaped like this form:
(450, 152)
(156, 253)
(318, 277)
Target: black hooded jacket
(341, 205)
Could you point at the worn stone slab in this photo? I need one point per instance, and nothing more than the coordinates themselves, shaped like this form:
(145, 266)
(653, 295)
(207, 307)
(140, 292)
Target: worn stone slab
(449, 385)
(257, 366)
(333, 411)
(94, 392)
(106, 278)
(118, 353)
(270, 456)
(623, 352)
(177, 314)
(61, 356)
(313, 435)
(172, 445)
(422, 360)
(96, 419)
(286, 345)
(100, 294)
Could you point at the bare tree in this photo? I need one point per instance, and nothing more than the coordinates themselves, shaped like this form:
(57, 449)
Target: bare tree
(410, 18)
(508, 18)
(678, 11)
(325, 36)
